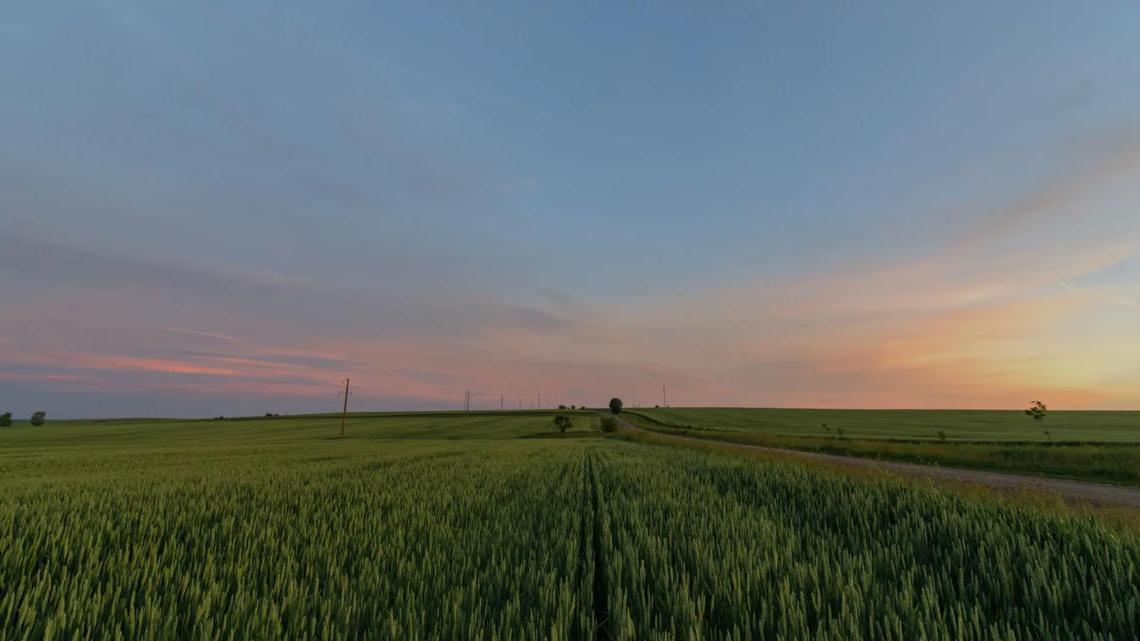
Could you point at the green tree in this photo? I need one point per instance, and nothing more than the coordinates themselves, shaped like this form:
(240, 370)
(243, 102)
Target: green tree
(5, 419)
(1037, 411)
(38, 417)
(615, 405)
(563, 423)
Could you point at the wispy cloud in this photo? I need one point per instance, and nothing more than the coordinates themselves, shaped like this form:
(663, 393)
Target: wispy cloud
(192, 332)
(1101, 295)
(1102, 162)
(388, 307)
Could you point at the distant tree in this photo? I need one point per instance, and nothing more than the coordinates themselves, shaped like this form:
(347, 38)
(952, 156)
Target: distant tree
(38, 418)
(561, 407)
(1037, 411)
(562, 423)
(573, 407)
(5, 419)
(609, 424)
(615, 405)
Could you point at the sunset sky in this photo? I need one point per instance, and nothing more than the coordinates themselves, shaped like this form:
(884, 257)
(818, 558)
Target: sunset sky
(228, 207)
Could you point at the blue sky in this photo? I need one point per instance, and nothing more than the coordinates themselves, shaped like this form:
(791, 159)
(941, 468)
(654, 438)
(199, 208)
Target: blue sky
(585, 198)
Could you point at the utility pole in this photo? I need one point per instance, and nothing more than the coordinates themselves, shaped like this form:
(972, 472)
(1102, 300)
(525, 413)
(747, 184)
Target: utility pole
(344, 410)
(500, 402)
(664, 400)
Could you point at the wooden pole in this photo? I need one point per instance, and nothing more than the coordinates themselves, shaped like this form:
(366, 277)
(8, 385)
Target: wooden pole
(344, 410)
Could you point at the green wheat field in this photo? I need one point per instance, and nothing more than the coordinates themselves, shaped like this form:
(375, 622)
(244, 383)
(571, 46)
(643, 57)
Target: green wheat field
(494, 527)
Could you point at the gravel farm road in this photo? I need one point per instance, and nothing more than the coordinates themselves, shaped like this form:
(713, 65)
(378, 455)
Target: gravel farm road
(1079, 491)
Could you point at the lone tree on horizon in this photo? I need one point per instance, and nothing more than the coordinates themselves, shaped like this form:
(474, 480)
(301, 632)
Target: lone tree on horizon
(5, 419)
(615, 405)
(38, 417)
(1037, 411)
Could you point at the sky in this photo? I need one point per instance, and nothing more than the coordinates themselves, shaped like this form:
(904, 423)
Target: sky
(220, 208)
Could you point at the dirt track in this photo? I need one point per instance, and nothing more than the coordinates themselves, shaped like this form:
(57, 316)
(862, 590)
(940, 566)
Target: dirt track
(1079, 491)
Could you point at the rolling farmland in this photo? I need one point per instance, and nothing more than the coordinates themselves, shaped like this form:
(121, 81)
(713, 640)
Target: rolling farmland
(1091, 446)
(491, 527)
(957, 425)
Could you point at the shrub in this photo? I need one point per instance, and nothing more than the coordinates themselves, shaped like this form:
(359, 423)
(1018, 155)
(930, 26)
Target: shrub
(609, 424)
(563, 423)
(38, 418)
(615, 405)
